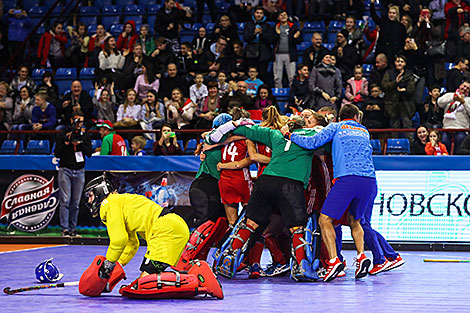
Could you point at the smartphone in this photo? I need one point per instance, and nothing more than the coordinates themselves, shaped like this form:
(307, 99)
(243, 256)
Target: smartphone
(17, 12)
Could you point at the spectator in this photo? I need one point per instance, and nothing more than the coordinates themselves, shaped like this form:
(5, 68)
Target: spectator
(287, 39)
(71, 148)
(347, 55)
(429, 113)
(456, 106)
(324, 84)
(463, 43)
(138, 144)
(438, 16)
(50, 88)
(239, 71)
(264, 98)
(357, 88)
(434, 146)
(237, 97)
(354, 36)
(398, 84)
(201, 42)
(222, 83)
(392, 32)
(208, 107)
(171, 81)
(129, 113)
(19, 25)
(457, 14)
(23, 109)
(188, 63)
(240, 10)
(318, 10)
(43, 115)
(465, 146)
(374, 117)
(210, 6)
(314, 54)
(132, 68)
(180, 111)
(421, 138)
(168, 22)
(153, 111)
(72, 102)
(215, 59)
(104, 102)
(111, 61)
(253, 82)
(22, 79)
(128, 37)
(409, 27)
(95, 46)
(225, 28)
(299, 95)
(112, 144)
(259, 37)
(76, 53)
(146, 81)
(147, 41)
(377, 73)
(456, 75)
(198, 91)
(162, 55)
(167, 144)
(51, 47)
(371, 36)
(6, 106)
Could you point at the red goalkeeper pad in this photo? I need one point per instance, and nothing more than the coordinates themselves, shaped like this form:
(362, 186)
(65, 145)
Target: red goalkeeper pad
(91, 284)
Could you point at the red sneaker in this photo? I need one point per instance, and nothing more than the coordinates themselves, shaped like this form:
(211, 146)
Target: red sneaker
(380, 267)
(343, 272)
(333, 269)
(362, 266)
(396, 262)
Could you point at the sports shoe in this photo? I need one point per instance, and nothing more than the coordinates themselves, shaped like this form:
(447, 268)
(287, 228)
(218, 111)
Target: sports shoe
(321, 272)
(242, 267)
(65, 233)
(73, 233)
(394, 263)
(275, 270)
(302, 271)
(380, 267)
(255, 271)
(362, 265)
(343, 272)
(333, 269)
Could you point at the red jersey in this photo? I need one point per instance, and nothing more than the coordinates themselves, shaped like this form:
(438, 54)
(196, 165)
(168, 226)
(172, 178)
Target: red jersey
(264, 150)
(232, 152)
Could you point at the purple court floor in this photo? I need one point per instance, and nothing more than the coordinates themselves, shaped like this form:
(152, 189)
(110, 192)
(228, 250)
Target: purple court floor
(415, 287)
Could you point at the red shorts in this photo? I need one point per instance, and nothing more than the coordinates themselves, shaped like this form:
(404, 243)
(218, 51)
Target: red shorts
(234, 190)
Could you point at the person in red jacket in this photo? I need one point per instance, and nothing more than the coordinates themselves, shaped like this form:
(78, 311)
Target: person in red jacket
(128, 37)
(435, 146)
(52, 47)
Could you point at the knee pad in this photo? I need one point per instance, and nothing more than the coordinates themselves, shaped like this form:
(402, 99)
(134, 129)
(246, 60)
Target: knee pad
(92, 285)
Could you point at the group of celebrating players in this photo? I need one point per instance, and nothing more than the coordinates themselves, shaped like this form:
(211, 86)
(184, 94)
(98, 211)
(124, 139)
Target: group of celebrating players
(314, 175)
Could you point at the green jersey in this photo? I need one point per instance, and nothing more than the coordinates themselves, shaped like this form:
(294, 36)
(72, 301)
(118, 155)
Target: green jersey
(209, 165)
(288, 159)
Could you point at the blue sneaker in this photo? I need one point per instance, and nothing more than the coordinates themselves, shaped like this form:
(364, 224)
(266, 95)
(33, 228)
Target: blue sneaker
(302, 271)
(276, 270)
(256, 271)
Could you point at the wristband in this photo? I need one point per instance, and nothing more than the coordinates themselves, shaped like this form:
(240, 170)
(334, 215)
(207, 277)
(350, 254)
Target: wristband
(287, 135)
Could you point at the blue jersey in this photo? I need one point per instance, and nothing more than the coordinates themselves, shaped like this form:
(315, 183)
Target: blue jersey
(352, 152)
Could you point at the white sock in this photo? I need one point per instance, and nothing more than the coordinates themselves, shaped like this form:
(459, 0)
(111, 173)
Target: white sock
(333, 260)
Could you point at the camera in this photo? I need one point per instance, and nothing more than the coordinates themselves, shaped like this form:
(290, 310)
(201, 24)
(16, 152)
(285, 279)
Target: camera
(77, 135)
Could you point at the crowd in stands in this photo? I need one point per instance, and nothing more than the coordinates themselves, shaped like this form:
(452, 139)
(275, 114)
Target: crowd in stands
(403, 63)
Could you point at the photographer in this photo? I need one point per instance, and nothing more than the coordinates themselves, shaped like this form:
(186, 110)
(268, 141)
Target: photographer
(71, 148)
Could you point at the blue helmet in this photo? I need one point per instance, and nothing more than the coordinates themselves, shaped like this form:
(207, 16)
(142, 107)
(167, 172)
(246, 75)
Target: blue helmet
(46, 272)
(221, 119)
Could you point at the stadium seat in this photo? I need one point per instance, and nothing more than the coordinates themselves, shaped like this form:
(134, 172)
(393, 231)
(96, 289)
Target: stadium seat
(86, 77)
(95, 143)
(210, 27)
(116, 29)
(241, 29)
(123, 3)
(149, 147)
(64, 78)
(28, 4)
(36, 13)
(152, 14)
(91, 30)
(37, 147)
(449, 66)
(190, 147)
(312, 27)
(281, 93)
(180, 144)
(398, 146)
(134, 12)
(190, 3)
(110, 15)
(9, 147)
(329, 46)
(57, 11)
(376, 147)
(7, 5)
(302, 47)
(37, 74)
(102, 3)
(89, 15)
(335, 26)
(367, 69)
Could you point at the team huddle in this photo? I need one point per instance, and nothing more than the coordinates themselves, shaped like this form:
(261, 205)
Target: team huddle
(309, 170)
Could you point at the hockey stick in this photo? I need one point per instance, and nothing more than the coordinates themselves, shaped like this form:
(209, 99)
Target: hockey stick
(446, 260)
(10, 291)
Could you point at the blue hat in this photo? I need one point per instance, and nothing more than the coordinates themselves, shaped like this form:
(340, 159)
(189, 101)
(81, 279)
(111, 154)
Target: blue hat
(221, 119)
(46, 272)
